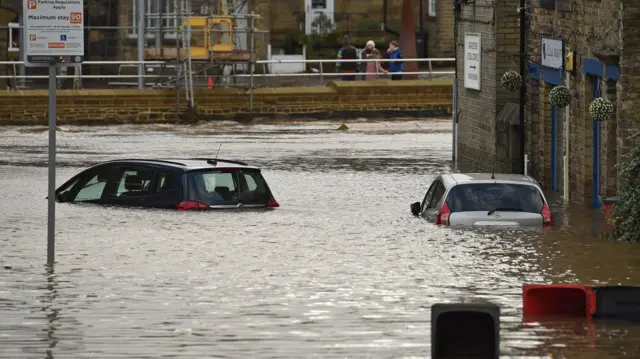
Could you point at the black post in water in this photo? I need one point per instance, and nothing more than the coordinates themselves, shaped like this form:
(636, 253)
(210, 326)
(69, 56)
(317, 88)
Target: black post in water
(523, 88)
(465, 331)
(51, 218)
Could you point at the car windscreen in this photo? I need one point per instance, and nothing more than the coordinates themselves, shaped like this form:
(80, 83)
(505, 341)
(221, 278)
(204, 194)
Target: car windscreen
(495, 196)
(227, 187)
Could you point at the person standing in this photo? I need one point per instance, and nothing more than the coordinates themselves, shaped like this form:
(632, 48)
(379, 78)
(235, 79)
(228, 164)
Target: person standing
(395, 67)
(373, 68)
(365, 54)
(348, 69)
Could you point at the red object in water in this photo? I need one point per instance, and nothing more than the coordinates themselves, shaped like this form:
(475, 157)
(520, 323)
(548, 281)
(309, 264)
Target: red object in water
(191, 205)
(209, 82)
(443, 215)
(273, 204)
(559, 299)
(547, 218)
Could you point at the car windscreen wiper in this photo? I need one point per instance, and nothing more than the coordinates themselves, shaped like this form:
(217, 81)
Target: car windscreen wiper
(504, 209)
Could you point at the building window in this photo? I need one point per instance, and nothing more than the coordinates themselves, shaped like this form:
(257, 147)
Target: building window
(432, 7)
(170, 22)
(318, 4)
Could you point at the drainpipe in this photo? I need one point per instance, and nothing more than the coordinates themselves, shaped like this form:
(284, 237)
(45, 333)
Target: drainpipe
(421, 16)
(523, 88)
(457, 8)
(384, 20)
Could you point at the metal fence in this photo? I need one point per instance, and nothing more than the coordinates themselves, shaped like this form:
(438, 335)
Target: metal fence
(162, 74)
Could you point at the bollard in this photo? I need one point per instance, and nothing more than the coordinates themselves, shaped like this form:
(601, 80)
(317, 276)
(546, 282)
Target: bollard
(465, 331)
(617, 302)
(558, 299)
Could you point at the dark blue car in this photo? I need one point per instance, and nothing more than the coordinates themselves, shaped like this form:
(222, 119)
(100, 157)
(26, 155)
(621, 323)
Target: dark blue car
(173, 184)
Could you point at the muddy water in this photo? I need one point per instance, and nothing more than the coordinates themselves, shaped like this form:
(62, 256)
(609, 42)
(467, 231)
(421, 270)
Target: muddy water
(341, 269)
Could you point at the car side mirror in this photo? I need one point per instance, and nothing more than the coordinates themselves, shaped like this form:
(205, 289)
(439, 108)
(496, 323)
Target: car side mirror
(63, 197)
(415, 208)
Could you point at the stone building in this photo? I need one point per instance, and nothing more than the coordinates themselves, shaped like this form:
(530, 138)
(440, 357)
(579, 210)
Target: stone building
(487, 129)
(363, 19)
(604, 38)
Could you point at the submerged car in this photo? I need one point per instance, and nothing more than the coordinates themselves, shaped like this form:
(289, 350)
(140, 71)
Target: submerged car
(485, 199)
(189, 184)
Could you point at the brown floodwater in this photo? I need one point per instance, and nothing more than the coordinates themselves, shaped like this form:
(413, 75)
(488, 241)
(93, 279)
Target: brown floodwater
(341, 269)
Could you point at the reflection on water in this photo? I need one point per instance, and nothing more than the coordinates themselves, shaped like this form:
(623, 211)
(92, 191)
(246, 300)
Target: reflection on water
(341, 269)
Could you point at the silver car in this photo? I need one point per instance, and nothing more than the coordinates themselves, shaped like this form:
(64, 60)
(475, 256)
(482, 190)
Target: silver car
(485, 199)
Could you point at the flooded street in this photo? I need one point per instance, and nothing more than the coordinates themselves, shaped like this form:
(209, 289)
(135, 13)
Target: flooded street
(340, 270)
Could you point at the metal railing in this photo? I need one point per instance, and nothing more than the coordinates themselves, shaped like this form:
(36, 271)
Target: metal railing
(169, 79)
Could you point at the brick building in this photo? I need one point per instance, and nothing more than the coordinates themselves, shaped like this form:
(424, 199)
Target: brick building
(604, 38)
(487, 132)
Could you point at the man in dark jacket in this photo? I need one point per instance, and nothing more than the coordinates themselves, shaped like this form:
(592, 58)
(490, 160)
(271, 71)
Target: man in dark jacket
(395, 67)
(348, 69)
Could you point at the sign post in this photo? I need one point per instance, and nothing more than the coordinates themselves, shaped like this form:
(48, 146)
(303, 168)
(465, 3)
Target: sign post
(472, 60)
(52, 36)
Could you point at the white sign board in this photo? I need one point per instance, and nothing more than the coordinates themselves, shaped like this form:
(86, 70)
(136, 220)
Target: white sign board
(472, 60)
(53, 31)
(552, 53)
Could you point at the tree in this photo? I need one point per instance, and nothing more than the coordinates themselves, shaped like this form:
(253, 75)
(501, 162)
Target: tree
(626, 218)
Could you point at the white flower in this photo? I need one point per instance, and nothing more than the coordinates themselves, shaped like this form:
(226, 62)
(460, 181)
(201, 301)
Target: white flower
(560, 96)
(512, 81)
(600, 109)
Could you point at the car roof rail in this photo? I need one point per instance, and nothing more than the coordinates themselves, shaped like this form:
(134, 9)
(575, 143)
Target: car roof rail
(147, 160)
(213, 161)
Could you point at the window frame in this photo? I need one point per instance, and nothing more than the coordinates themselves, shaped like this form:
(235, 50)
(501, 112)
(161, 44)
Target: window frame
(434, 202)
(431, 8)
(430, 192)
(169, 22)
(76, 183)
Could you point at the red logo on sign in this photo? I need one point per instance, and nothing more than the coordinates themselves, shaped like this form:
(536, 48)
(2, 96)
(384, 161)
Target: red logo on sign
(56, 45)
(32, 4)
(32, 37)
(76, 18)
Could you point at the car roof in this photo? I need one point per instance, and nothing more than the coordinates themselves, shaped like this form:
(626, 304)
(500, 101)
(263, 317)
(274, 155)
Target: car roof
(452, 179)
(187, 164)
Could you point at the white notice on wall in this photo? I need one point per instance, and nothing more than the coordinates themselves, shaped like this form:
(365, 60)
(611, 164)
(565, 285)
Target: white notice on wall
(472, 59)
(53, 30)
(552, 53)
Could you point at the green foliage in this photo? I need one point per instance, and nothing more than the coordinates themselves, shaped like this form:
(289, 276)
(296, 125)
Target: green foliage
(626, 215)
(322, 34)
(368, 25)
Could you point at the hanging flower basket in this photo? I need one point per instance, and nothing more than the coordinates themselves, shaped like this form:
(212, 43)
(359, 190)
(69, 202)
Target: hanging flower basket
(560, 97)
(600, 109)
(512, 81)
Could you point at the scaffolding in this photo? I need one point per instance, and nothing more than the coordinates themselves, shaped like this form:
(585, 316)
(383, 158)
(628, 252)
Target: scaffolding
(214, 51)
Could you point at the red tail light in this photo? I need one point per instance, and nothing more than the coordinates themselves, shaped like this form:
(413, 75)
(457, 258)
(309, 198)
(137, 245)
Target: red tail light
(547, 219)
(273, 204)
(442, 217)
(191, 205)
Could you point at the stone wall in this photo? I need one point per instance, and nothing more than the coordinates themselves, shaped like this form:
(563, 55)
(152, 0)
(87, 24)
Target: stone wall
(604, 30)
(357, 98)
(484, 142)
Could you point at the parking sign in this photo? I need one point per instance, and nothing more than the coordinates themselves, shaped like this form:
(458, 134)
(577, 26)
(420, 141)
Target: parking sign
(56, 31)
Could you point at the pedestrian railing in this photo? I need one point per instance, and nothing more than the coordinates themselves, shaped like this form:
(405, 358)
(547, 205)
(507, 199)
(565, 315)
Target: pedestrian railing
(164, 74)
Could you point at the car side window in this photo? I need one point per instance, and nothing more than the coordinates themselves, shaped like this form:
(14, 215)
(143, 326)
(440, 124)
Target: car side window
(164, 182)
(437, 195)
(428, 196)
(92, 187)
(134, 182)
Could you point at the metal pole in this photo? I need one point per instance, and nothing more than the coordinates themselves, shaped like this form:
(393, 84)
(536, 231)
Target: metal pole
(23, 70)
(565, 176)
(51, 215)
(253, 43)
(523, 88)
(141, 40)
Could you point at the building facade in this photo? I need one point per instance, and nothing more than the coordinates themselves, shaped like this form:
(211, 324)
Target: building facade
(590, 46)
(602, 37)
(487, 132)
